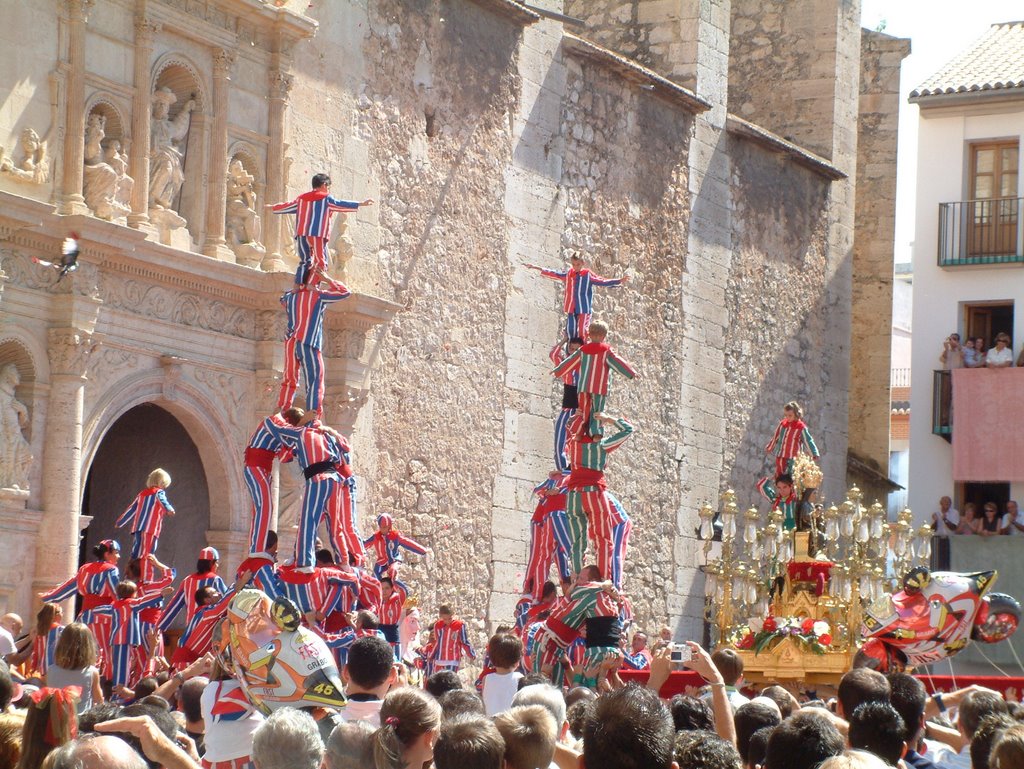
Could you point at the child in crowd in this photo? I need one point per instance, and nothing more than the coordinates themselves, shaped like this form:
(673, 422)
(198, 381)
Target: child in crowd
(506, 652)
(126, 629)
(451, 641)
(386, 545)
(146, 516)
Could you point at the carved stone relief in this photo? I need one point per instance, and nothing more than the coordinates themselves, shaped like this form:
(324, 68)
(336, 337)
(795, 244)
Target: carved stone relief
(106, 184)
(33, 167)
(242, 225)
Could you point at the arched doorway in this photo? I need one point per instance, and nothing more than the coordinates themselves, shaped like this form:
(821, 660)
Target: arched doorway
(143, 438)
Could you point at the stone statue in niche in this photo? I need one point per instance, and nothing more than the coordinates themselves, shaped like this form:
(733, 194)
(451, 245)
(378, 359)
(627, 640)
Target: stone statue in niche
(101, 180)
(34, 166)
(242, 222)
(166, 169)
(15, 454)
(117, 158)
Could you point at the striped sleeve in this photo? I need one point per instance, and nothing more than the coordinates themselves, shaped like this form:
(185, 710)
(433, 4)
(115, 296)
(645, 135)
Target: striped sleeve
(162, 496)
(125, 518)
(767, 490)
(774, 442)
(598, 280)
(554, 274)
(411, 545)
(286, 208)
(63, 591)
(809, 444)
(614, 441)
(334, 204)
(571, 363)
(176, 604)
(620, 365)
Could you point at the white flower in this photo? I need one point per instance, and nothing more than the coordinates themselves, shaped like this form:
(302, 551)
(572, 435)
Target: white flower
(820, 628)
(755, 624)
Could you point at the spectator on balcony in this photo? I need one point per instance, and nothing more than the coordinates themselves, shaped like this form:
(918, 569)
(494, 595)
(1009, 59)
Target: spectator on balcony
(991, 522)
(980, 355)
(1000, 356)
(970, 520)
(952, 353)
(947, 519)
(971, 357)
(1013, 522)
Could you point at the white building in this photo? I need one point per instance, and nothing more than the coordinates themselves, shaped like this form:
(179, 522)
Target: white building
(968, 266)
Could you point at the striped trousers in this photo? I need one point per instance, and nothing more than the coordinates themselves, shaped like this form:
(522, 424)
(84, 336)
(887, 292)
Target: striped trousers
(544, 550)
(312, 253)
(561, 426)
(258, 482)
(315, 501)
(144, 543)
(585, 422)
(577, 324)
(310, 361)
(341, 523)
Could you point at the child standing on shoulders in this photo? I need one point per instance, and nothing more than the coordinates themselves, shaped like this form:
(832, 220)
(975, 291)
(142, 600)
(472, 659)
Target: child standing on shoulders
(506, 652)
(790, 438)
(146, 516)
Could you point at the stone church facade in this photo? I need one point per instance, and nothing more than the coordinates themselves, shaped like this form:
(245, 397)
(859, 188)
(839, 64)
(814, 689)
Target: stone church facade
(734, 160)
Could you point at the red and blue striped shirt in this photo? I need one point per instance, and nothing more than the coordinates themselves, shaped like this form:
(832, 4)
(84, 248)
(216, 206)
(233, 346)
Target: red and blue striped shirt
(451, 641)
(96, 580)
(579, 288)
(313, 212)
(198, 634)
(309, 443)
(386, 546)
(146, 512)
(126, 627)
(305, 307)
(185, 597)
(790, 437)
(390, 610)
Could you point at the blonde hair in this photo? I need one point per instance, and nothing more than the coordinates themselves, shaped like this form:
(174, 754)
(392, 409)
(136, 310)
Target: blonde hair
(76, 648)
(854, 759)
(530, 734)
(11, 725)
(1008, 751)
(405, 715)
(598, 328)
(159, 477)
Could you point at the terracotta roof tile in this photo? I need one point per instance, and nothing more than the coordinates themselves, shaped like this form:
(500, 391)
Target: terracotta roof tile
(993, 62)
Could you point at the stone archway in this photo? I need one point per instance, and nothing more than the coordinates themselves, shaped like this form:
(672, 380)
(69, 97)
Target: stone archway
(143, 438)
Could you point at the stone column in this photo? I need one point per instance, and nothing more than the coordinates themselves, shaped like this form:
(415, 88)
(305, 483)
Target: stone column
(214, 244)
(280, 85)
(57, 549)
(142, 111)
(72, 201)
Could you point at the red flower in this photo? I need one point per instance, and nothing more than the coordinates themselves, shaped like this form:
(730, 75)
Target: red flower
(825, 639)
(747, 642)
(807, 625)
(769, 625)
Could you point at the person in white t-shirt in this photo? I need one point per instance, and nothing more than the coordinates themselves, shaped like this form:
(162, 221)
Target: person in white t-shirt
(229, 719)
(1013, 521)
(1000, 356)
(368, 674)
(10, 629)
(505, 651)
(946, 520)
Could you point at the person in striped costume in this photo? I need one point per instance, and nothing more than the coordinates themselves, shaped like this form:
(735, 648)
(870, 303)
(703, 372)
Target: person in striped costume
(185, 596)
(394, 592)
(341, 512)
(258, 469)
(570, 398)
(610, 527)
(595, 361)
(315, 593)
(197, 639)
(313, 213)
(451, 641)
(590, 597)
(97, 583)
(791, 437)
(318, 453)
(386, 545)
(578, 296)
(263, 567)
(126, 629)
(144, 656)
(48, 630)
(545, 546)
(146, 516)
(305, 307)
(782, 497)
(587, 500)
(528, 610)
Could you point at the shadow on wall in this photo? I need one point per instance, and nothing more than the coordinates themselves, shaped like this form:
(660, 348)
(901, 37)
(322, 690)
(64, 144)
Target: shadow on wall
(788, 300)
(144, 438)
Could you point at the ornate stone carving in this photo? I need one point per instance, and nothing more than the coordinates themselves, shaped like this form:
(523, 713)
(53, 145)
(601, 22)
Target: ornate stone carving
(15, 454)
(145, 31)
(223, 60)
(172, 374)
(107, 189)
(270, 325)
(345, 343)
(280, 84)
(346, 405)
(242, 223)
(165, 157)
(70, 350)
(233, 390)
(176, 306)
(107, 363)
(34, 165)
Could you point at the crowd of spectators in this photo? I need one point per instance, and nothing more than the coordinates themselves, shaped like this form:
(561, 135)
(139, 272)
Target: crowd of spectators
(972, 353)
(990, 522)
(874, 721)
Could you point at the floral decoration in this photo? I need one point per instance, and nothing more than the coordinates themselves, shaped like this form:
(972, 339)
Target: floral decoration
(761, 635)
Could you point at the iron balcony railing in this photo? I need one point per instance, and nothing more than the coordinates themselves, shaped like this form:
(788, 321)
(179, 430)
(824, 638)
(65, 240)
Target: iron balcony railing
(981, 232)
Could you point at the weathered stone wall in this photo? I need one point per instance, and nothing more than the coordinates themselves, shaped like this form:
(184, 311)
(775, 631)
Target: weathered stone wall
(783, 68)
(776, 346)
(870, 347)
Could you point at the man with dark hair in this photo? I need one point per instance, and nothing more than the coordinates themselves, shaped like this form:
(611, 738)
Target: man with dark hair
(690, 714)
(441, 682)
(985, 736)
(787, 703)
(629, 728)
(469, 742)
(757, 747)
(858, 686)
(730, 666)
(751, 717)
(802, 742)
(189, 695)
(909, 697)
(368, 674)
(877, 728)
(460, 702)
(706, 750)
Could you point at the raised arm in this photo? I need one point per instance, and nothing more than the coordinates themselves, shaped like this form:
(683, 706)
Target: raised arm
(766, 489)
(162, 496)
(62, 592)
(570, 364)
(411, 544)
(621, 365)
(614, 441)
(598, 280)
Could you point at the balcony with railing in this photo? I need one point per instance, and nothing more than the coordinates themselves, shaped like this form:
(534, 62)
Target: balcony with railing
(976, 232)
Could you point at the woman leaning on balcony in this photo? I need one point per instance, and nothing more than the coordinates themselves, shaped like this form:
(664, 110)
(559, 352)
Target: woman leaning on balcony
(1000, 356)
(969, 521)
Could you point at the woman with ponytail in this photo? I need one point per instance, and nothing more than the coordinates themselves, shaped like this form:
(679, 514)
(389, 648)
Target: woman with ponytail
(409, 722)
(96, 582)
